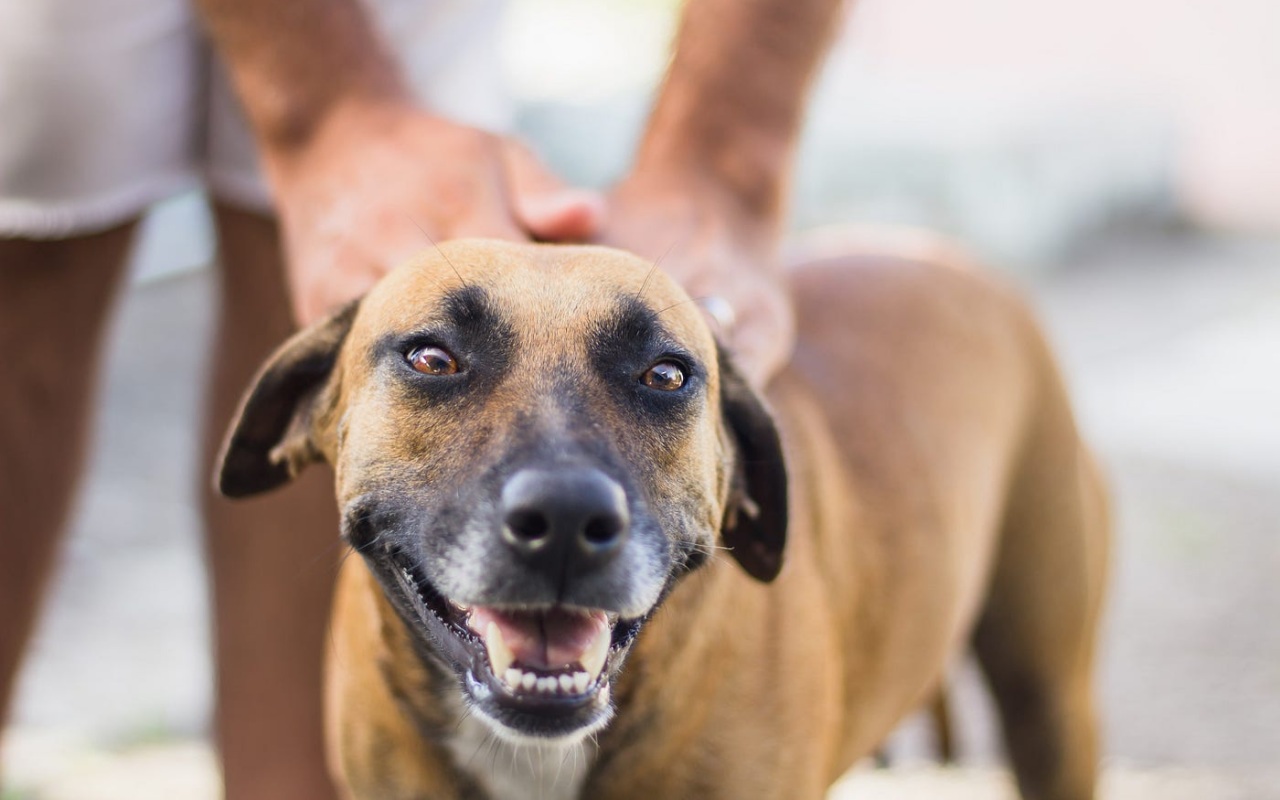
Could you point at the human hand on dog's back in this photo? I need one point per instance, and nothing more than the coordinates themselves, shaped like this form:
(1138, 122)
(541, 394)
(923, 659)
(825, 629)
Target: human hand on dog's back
(362, 175)
(383, 182)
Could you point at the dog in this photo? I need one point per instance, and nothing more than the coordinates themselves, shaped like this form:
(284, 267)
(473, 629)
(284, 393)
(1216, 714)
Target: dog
(594, 563)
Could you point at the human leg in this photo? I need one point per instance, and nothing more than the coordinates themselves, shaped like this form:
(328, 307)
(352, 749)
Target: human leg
(55, 298)
(272, 558)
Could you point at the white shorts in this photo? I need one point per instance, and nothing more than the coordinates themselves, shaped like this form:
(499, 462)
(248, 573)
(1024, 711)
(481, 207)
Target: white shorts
(107, 106)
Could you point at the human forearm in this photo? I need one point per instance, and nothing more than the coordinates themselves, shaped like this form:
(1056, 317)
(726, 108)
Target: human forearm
(731, 106)
(361, 174)
(294, 62)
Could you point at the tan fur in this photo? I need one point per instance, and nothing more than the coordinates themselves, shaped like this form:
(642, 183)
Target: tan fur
(939, 493)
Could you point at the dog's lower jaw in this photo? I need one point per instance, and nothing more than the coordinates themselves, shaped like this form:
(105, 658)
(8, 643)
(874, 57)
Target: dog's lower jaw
(510, 766)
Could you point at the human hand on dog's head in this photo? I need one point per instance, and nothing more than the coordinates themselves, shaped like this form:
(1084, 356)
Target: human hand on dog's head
(381, 179)
(724, 255)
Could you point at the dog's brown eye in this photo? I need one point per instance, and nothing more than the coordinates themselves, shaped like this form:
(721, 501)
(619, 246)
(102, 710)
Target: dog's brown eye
(433, 361)
(665, 376)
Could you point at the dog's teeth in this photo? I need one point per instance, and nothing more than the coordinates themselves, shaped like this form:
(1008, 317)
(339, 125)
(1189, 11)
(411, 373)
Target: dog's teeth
(547, 685)
(566, 683)
(593, 660)
(513, 677)
(580, 682)
(500, 656)
(528, 681)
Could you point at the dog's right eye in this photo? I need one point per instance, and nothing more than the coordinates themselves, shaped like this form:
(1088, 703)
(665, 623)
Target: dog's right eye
(665, 376)
(432, 361)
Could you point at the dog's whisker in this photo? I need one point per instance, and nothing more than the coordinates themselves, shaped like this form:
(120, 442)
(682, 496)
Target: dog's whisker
(564, 756)
(533, 771)
(483, 744)
(325, 552)
(466, 715)
(515, 758)
(662, 311)
(652, 270)
(438, 250)
(350, 551)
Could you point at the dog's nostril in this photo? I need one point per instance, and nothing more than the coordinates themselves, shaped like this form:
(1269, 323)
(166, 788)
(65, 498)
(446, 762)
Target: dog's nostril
(528, 525)
(564, 516)
(602, 530)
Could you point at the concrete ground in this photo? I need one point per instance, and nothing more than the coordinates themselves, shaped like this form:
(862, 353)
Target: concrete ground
(1172, 347)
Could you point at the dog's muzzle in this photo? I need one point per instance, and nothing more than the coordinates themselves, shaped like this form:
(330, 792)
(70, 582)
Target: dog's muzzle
(536, 664)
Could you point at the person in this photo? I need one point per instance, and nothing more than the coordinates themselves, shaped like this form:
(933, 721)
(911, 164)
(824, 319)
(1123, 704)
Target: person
(369, 124)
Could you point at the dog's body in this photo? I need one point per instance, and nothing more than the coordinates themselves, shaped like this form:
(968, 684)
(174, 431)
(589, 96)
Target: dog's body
(939, 497)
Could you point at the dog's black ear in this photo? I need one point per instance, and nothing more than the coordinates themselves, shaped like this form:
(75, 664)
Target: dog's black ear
(270, 440)
(755, 524)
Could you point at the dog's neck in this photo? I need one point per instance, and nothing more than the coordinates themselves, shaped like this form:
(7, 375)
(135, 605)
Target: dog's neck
(519, 770)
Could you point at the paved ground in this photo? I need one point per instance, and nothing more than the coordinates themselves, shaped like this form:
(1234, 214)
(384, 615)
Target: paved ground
(1172, 346)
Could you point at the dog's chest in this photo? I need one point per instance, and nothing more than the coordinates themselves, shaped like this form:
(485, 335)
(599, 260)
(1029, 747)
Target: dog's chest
(518, 770)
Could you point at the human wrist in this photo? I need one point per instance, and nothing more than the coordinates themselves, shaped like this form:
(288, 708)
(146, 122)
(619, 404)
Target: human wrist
(744, 172)
(293, 129)
(725, 188)
(295, 63)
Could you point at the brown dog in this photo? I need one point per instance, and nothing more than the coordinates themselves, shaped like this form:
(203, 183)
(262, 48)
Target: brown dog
(549, 470)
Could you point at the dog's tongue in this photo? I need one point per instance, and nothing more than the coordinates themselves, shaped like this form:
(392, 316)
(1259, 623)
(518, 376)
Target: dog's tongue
(545, 640)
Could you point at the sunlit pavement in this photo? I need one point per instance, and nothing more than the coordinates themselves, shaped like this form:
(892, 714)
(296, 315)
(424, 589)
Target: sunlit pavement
(1172, 348)
(187, 770)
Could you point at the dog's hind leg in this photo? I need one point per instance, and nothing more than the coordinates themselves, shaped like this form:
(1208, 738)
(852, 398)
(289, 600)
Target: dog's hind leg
(1035, 638)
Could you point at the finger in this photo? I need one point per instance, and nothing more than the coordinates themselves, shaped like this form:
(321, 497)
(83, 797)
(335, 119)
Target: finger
(486, 216)
(324, 272)
(487, 225)
(720, 314)
(321, 297)
(759, 353)
(544, 205)
(763, 338)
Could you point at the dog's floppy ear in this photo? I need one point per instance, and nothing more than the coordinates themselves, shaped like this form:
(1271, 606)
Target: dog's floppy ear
(755, 524)
(270, 440)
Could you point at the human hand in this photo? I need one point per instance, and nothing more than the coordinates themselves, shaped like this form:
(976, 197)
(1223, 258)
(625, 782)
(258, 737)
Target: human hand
(380, 181)
(724, 256)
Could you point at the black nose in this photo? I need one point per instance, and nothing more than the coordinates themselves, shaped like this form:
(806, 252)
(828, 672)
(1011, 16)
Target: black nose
(564, 519)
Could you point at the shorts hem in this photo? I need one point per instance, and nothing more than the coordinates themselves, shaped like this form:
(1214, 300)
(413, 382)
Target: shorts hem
(246, 192)
(34, 219)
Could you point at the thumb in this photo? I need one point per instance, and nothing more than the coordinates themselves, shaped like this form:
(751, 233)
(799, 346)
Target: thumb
(544, 205)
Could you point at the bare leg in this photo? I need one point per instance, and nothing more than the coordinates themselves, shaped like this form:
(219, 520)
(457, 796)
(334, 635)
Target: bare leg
(272, 558)
(54, 301)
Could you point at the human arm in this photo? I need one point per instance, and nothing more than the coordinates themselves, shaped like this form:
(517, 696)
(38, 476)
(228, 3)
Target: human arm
(361, 174)
(709, 183)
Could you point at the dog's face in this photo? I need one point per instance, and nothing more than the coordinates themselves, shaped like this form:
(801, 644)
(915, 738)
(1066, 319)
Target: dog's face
(532, 444)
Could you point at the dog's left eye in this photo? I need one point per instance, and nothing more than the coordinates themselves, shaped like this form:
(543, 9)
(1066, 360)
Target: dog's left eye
(433, 361)
(666, 376)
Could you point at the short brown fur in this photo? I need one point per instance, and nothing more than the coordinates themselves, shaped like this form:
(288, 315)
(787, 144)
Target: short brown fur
(939, 492)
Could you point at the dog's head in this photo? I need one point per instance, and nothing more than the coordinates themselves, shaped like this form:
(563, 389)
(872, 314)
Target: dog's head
(532, 444)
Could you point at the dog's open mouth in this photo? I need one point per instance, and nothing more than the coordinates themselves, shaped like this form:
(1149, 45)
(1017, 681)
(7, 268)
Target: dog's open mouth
(540, 671)
(544, 653)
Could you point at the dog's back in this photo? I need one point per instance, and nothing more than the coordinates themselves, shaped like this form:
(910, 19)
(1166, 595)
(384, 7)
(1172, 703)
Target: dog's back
(968, 478)
(940, 497)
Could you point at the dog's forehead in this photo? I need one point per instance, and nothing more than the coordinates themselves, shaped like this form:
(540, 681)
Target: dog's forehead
(539, 287)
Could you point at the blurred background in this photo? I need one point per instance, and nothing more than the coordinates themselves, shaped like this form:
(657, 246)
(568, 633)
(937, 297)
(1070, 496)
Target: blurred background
(1119, 159)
